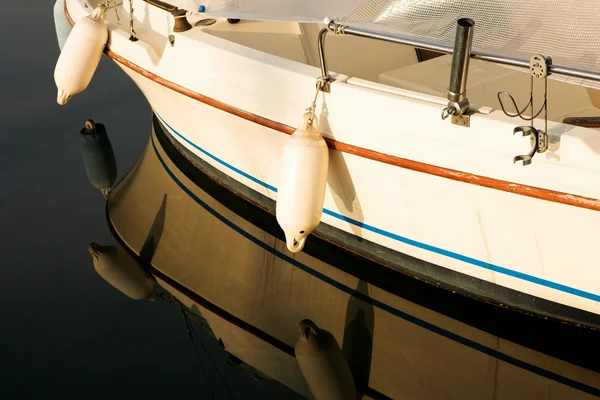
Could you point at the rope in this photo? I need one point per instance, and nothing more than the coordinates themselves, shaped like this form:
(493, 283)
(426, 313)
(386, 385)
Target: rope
(313, 105)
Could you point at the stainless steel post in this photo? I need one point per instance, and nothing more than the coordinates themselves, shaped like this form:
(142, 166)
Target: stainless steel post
(457, 91)
(325, 78)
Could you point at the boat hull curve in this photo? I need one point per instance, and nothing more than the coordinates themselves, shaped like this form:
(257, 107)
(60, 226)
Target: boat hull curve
(470, 232)
(211, 246)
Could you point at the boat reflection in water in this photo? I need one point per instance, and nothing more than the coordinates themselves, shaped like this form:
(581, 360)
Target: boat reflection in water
(226, 261)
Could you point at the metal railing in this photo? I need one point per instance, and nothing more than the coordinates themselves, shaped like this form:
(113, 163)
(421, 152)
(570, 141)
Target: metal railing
(347, 30)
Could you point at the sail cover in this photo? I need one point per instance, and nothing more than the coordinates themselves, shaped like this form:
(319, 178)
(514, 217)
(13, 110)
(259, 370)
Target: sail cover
(566, 31)
(280, 10)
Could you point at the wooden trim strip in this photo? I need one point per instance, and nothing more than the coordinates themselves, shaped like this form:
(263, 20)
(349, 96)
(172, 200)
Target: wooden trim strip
(478, 180)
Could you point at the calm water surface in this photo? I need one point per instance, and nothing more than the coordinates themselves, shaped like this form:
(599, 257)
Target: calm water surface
(64, 332)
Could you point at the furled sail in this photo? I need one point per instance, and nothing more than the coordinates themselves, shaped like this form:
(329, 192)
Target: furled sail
(280, 10)
(565, 31)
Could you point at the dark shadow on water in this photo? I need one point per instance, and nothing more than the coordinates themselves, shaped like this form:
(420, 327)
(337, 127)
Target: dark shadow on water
(151, 242)
(358, 336)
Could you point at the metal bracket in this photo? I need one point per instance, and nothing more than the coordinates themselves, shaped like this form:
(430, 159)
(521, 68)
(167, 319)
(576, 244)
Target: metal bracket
(324, 82)
(462, 120)
(538, 69)
(460, 113)
(538, 140)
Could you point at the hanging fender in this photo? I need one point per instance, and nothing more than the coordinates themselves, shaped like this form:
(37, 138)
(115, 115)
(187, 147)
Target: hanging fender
(80, 55)
(302, 183)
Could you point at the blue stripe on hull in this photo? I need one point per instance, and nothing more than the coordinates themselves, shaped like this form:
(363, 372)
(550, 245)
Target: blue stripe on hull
(405, 240)
(376, 303)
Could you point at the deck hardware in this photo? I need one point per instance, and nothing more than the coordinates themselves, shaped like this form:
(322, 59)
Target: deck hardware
(538, 69)
(538, 140)
(324, 82)
(179, 14)
(458, 104)
(181, 22)
(206, 22)
(172, 40)
(233, 20)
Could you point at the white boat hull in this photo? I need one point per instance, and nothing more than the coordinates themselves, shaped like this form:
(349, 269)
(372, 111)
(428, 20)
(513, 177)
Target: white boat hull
(398, 175)
(530, 245)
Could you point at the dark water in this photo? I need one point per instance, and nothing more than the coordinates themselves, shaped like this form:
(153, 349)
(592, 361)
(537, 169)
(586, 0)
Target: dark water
(65, 333)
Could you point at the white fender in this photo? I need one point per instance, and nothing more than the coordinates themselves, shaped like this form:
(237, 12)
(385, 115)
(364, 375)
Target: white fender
(304, 164)
(80, 55)
(323, 365)
(121, 271)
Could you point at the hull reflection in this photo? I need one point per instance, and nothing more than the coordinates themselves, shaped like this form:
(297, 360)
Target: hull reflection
(223, 257)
